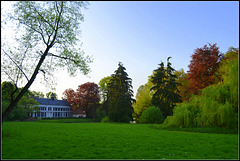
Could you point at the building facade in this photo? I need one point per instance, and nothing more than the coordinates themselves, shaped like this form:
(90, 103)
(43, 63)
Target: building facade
(52, 108)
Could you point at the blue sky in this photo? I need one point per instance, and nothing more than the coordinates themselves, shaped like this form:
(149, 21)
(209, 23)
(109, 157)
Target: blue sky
(141, 34)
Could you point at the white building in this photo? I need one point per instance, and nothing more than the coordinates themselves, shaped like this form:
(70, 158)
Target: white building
(52, 108)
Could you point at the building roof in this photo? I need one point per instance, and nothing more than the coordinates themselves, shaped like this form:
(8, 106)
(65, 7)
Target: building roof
(46, 101)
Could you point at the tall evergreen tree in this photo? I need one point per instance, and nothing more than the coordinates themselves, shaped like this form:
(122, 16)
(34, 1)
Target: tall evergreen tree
(166, 93)
(120, 95)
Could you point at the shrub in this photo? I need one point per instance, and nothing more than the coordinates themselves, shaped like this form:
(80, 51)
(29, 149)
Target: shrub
(125, 119)
(105, 119)
(151, 115)
(100, 113)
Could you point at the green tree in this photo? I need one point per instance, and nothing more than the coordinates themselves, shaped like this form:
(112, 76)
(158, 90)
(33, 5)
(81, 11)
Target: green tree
(37, 94)
(23, 108)
(184, 89)
(7, 89)
(120, 96)
(143, 99)
(49, 95)
(222, 73)
(45, 26)
(165, 87)
(103, 87)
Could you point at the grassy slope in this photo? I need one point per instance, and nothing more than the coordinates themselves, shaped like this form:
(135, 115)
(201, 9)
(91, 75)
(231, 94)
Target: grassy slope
(36, 140)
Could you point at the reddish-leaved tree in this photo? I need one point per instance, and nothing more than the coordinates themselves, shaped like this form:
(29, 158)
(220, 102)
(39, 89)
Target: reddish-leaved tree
(202, 67)
(70, 96)
(85, 97)
(88, 94)
(74, 100)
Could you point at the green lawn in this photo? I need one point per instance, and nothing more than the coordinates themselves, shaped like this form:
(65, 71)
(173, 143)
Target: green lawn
(38, 140)
(67, 120)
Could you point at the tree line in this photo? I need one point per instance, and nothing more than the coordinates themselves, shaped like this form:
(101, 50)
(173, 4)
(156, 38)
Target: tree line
(207, 95)
(208, 91)
(55, 25)
(25, 106)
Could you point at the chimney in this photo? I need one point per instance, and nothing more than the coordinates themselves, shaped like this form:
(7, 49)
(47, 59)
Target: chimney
(52, 96)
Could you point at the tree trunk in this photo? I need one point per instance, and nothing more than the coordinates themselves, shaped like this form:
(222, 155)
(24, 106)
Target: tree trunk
(26, 87)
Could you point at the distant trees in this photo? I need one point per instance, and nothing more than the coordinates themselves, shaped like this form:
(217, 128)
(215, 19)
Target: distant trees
(120, 95)
(165, 87)
(49, 95)
(70, 96)
(202, 67)
(217, 104)
(86, 97)
(89, 97)
(160, 91)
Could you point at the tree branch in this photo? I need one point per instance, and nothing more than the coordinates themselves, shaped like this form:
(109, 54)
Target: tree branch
(56, 30)
(42, 32)
(8, 76)
(16, 65)
(43, 18)
(21, 64)
(62, 57)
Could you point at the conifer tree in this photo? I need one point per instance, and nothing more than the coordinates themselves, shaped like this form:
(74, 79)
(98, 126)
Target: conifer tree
(166, 93)
(120, 96)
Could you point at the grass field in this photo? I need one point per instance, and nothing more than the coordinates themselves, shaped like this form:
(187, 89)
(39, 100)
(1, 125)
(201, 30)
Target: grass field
(38, 140)
(63, 120)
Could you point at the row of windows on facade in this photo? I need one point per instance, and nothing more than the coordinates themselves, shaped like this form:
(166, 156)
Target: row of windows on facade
(54, 114)
(54, 109)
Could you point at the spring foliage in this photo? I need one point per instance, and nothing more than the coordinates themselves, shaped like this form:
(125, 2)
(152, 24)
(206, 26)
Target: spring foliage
(216, 106)
(84, 98)
(143, 99)
(152, 115)
(202, 67)
(45, 26)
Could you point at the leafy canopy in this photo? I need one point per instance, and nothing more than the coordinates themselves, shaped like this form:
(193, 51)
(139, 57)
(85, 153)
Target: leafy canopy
(51, 25)
(204, 63)
(47, 39)
(143, 99)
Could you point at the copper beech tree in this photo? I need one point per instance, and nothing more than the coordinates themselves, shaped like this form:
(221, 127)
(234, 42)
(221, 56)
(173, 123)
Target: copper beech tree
(85, 97)
(202, 67)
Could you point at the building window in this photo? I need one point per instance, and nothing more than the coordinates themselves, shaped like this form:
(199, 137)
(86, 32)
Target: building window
(49, 108)
(43, 108)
